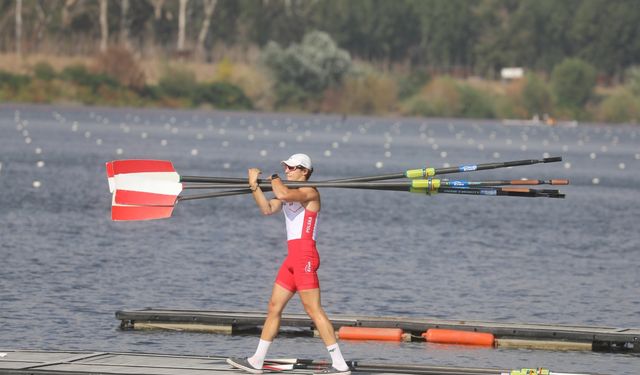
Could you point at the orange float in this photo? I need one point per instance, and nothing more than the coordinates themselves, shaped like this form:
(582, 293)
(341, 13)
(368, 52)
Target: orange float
(450, 336)
(367, 333)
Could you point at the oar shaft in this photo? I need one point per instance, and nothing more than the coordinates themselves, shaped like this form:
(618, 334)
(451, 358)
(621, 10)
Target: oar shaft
(221, 180)
(463, 183)
(214, 195)
(428, 172)
(487, 191)
(382, 185)
(290, 184)
(412, 173)
(485, 166)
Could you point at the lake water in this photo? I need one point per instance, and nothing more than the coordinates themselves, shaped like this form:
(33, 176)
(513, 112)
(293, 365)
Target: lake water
(66, 268)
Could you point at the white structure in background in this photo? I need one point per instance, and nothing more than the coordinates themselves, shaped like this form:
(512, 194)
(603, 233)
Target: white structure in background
(512, 73)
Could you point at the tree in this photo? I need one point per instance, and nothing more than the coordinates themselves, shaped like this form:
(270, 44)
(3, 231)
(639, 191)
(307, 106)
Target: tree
(104, 26)
(448, 34)
(607, 35)
(182, 22)
(573, 81)
(305, 70)
(209, 7)
(124, 23)
(19, 27)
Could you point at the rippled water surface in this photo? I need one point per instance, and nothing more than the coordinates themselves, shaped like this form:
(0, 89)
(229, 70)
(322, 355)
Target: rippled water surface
(66, 268)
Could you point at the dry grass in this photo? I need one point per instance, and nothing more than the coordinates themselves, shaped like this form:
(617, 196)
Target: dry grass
(242, 74)
(10, 62)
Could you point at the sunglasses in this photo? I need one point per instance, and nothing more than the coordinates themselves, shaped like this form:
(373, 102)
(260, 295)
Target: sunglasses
(291, 169)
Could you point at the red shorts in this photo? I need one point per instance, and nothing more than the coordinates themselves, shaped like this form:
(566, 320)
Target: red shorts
(298, 271)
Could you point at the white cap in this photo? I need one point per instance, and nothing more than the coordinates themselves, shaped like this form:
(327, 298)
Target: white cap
(302, 160)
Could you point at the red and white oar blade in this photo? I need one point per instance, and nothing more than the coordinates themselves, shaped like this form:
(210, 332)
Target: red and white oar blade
(149, 169)
(141, 165)
(134, 189)
(110, 175)
(141, 198)
(133, 213)
(121, 212)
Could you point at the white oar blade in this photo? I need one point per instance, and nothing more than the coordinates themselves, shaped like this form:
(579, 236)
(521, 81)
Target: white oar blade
(137, 189)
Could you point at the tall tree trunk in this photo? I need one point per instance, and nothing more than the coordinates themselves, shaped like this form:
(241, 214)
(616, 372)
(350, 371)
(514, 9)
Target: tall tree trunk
(153, 25)
(182, 22)
(209, 7)
(19, 27)
(124, 24)
(157, 8)
(66, 18)
(104, 26)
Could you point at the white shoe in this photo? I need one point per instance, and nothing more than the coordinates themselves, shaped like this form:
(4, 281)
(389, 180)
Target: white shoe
(243, 364)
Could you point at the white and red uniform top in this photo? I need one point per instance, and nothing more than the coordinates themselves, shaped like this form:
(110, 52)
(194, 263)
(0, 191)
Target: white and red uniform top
(301, 223)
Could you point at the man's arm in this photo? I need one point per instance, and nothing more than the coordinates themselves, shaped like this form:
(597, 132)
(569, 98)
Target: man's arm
(267, 206)
(308, 196)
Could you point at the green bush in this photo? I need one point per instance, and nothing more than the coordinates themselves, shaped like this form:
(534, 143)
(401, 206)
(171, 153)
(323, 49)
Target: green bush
(80, 75)
(222, 95)
(440, 98)
(536, 96)
(178, 83)
(411, 84)
(573, 81)
(369, 93)
(13, 81)
(619, 107)
(150, 92)
(289, 94)
(44, 71)
(307, 69)
(474, 103)
(633, 79)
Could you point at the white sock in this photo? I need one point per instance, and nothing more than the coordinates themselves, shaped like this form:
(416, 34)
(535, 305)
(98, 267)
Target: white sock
(336, 357)
(258, 359)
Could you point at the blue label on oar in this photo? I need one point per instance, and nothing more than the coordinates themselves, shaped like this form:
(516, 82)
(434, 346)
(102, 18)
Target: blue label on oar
(468, 168)
(489, 192)
(458, 183)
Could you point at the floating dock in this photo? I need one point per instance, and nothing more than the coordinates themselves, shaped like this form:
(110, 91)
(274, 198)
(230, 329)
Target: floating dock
(24, 362)
(507, 335)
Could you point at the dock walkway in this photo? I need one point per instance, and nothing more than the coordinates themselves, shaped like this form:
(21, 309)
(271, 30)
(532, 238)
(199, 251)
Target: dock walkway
(31, 362)
(532, 336)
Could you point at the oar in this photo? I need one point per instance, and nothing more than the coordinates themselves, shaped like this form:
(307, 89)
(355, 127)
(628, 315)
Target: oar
(157, 170)
(157, 211)
(136, 190)
(489, 191)
(429, 172)
(422, 183)
(291, 364)
(164, 168)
